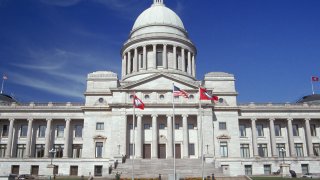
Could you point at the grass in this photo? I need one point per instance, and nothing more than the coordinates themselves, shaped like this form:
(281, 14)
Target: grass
(275, 178)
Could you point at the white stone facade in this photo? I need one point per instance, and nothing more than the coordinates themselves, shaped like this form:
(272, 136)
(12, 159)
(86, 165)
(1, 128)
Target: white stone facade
(240, 138)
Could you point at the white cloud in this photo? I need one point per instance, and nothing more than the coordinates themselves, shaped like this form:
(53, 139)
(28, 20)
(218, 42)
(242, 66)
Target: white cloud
(63, 3)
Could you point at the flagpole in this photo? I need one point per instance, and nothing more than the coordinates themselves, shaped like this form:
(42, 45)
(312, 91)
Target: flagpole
(311, 86)
(2, 85)
(173, 136)
(201, 136)
(133, 135)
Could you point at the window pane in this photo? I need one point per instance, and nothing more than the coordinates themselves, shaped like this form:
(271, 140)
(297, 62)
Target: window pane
(222, 125)
(60, 131)
(5, 130)
(100, 126)
(162, 126)
(39, 151)
(3, 148)
(260, 130)
(316, 149)
(99, 147)
(277, 129)
(42, 131)
(263, 150)
(190, 126)
(223, 149)
(191, 149)
(159, 58)
(20, 150)
(242, 130)
(78, 131)
(248, 170)
(313, 130)
(299, 149)
(281, 149)
(76, 150)
(267, 169)
(244, 150)
(295, 129)
(146, 126)
(24, 131)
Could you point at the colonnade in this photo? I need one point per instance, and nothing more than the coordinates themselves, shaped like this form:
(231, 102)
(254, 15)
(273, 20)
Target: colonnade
(136, 60)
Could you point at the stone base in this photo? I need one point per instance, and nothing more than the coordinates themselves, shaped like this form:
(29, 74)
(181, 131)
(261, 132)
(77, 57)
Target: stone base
(208, 158)
(284, 169)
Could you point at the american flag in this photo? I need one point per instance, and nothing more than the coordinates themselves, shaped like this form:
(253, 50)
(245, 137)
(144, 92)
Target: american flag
(4, 77)
(178, 92)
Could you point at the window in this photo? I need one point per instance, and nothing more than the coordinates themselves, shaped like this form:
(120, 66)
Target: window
(3, 148)
(76, 150)
(23, 131)
(4, 130)
(177, 126)
(146, 126)
(99, 147)
(191, 149)
(244, 150)
(130, 126)
(131, 149)
(190, 126)
(305, 168)
(191, 97)
(263, 150)
(100, 126)
(162, 126)
(299, 149)
(42, 131)
(21, 150)
(131, 97)
(161, 97)
(313, 130)
(280, 148)
(223, 149)
(15, 169)
(73, 170)
(141, 60)
(159, 58)
(59, 150)
(248, 170)
(242, 130)
(97, 170)
(260, 130)
(295, 129)
(78, 131)
(316, 149)
(222, 125)
(60, 131)
(39, 153)
(267, 169)
(277, 129)
(176, 97)
(147, 97)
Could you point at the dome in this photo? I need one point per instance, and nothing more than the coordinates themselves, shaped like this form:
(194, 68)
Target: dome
(310, 99)
(6, 99)
(158, 14)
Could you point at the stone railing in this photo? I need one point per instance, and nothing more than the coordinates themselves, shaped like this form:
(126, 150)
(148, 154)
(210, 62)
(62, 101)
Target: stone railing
(275, 105)
(32, 105)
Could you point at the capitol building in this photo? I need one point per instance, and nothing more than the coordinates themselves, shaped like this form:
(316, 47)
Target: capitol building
(99, 136)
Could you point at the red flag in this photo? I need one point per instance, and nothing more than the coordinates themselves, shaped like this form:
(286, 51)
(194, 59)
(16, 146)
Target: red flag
(179, 92)
(137, 103)
(315, 78)
(4, 77)
(204, 95)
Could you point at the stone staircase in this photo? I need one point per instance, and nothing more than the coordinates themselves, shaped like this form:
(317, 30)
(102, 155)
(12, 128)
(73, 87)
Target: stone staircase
(151, 168)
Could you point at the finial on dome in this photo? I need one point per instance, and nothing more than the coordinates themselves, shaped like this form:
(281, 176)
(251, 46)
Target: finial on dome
(157, 1)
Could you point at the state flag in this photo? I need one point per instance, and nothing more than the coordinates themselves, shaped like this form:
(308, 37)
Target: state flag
(204, 95)
(137, 103)
(314, 78)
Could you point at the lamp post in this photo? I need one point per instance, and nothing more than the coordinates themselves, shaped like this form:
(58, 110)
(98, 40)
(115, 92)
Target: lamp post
(52, 152)
(283, 151)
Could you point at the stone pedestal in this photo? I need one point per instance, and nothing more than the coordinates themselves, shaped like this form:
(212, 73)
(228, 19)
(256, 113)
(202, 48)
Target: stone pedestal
(285, 169)
(50, 170)
(208, 158)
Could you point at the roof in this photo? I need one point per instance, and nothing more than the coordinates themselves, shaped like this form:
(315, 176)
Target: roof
(311, 99)
(4, 99)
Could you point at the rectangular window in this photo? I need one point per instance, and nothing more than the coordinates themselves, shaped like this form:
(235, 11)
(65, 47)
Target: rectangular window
(59, 150)
(146, 126)
(267, 169)
(277, 129)
(223, 149)
(263, 150)
(78, 131)
(23, 131)
(242, 130)
(99, 147)
(100, 126)
(305, 168)
(191, 149)
(42, 131)
(3, 148)
(316, 149)
(190, 126)
(159, 58)
(97, 170)
(20, 150)
(260, 130)
(313, 130)
(5, 130)
(162, 126)
(177, 126)
(15, 169)
(76, 150)
(130, 126)
(131, 149)
(60, 131)
(39, 153)
(248, 170)
(141, 60)
(299, 149)
(244, 150)
(73, 170)
(222, 125)
(281, 148)
(295, 129)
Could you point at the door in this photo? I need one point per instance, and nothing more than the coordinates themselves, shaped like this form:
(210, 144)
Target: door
(15, 169)
(162, 151)
(35, 170)
(178, 151)
(146, 151)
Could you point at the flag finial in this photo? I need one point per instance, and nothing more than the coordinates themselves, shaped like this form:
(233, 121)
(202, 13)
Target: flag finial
(157, 1)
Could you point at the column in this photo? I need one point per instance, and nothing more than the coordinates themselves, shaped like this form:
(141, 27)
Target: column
(145, 57)
(155, 56)
(154, 153)
(135, 60)
(185, 136)
(169, 137)
(175, 65)
(309, 137)
(29, 134)
(139, 137)
(124, 65)
(66, 138)
(189, 62)
(290, 138)
(164, 55)
(254, 137)
(129, 63)
(10, 136)
(273, 138)
(193, 66)
(47, 146)
(183, 60)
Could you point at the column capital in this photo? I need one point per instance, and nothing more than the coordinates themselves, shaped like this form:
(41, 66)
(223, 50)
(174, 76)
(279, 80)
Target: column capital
(307, 119)
(185, 115)
(154, 45)
(165, 44)
(253, 119)
(11, 119)
(289, 119)
(154, 115)
(272, 119)
(67, 119)
(169, 115)
(48, 119)
(139, 115)
(29, 119)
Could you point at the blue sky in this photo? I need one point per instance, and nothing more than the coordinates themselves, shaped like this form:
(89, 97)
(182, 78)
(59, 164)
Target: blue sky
(47, 47)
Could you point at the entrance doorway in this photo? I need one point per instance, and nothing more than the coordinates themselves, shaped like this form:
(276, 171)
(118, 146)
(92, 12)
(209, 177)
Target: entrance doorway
(146, 151)
(162, 151)
(178, 151)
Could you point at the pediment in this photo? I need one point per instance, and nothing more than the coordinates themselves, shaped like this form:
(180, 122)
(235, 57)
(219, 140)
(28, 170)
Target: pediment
(161, 81)
(224, 136)
(99, 137)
